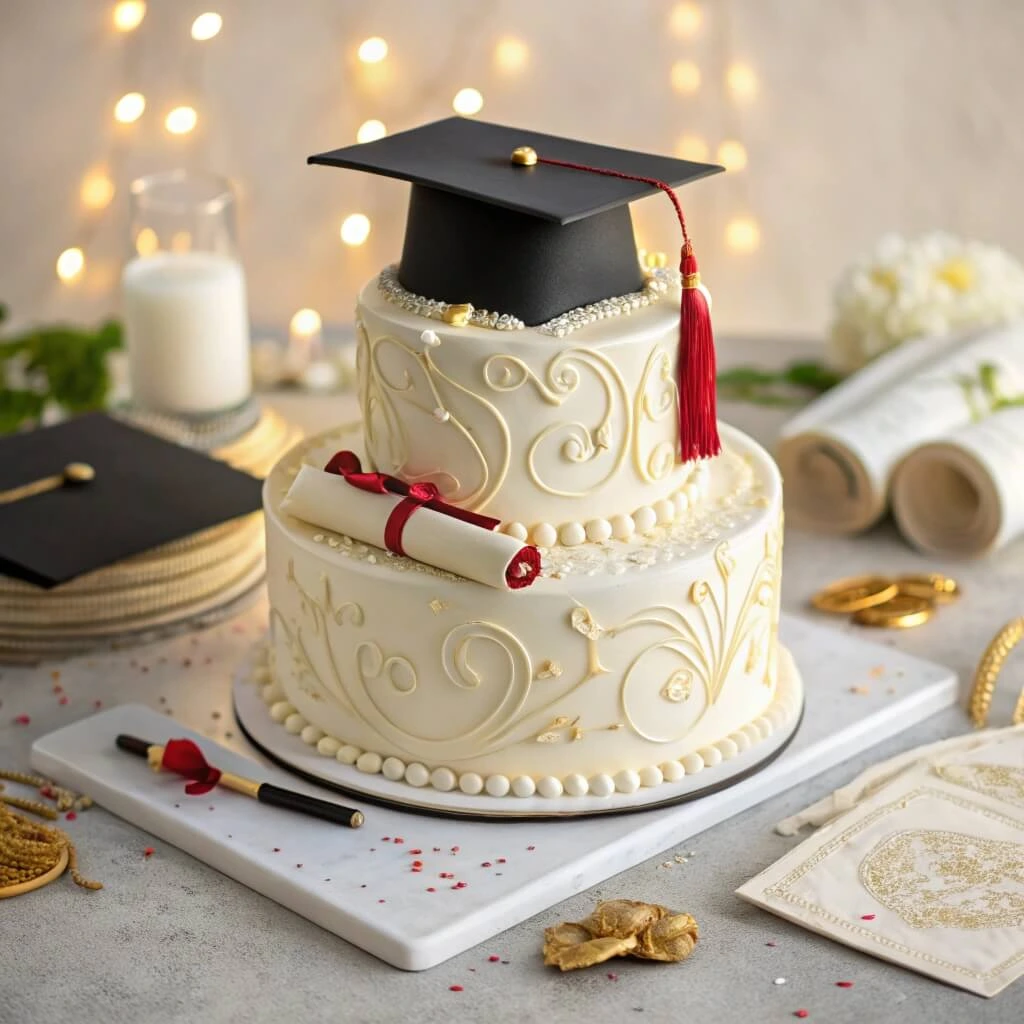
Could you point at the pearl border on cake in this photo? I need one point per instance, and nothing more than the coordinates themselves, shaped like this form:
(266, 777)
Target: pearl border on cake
(785, 706)
(641, 521)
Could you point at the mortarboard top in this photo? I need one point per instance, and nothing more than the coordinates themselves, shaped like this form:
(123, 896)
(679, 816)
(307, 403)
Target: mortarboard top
(532, 242)
(146, 492)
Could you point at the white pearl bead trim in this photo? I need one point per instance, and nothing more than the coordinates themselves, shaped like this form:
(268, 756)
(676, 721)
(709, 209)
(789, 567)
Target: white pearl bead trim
(782, 710)
(643, 520)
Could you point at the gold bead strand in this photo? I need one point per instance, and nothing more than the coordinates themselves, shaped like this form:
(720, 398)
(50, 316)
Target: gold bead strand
(987, 673)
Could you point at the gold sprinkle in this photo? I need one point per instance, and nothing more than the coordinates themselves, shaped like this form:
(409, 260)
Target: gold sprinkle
(548, 670)
(437, 606)
(862, 691)
(577, 733)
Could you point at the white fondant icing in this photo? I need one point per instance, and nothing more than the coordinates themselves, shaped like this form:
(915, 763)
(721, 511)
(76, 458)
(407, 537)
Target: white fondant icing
(311, 735)
(692, 763)
(348, 754)
(602, 785)
(644, 519)
(599, 530)
(369, 762)
(272, 693)
(517, 530)
(295, 723)
(442, 779)
(523, 785)
(393, 768)
(544, 535)
(281, 710)
(727, 748)
(572, 534)
(471, 783)
(623, 527)
(665, 510)
(550, 787)
(417, 774)
(497, 785)
(627, 781)
(741, 739)
(711, 756)
(673, 771)
(328, 746)
(651, 776)
(576, 784)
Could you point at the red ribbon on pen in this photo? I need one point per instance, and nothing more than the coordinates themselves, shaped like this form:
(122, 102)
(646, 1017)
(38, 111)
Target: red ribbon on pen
(183, 757)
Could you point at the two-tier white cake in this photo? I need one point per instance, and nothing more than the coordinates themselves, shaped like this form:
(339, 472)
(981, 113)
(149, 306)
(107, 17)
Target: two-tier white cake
(646, 652)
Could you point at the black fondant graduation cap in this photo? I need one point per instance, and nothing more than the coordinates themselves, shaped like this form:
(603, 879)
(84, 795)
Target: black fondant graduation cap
(145, 492)
(529, 241)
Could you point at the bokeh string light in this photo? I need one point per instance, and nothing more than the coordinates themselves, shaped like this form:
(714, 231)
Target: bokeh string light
(206, 26)
(355, 229)
(468, 102)
(370, 131)
(128, 15)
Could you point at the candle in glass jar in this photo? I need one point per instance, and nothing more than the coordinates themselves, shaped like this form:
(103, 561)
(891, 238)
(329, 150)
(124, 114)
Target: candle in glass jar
(187, 331)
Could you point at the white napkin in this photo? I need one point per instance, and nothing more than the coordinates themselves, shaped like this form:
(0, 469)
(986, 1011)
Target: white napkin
(921, 863)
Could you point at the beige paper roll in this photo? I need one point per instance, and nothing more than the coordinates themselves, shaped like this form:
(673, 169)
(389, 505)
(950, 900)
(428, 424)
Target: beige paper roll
(837, 458)
(329, 501)
(964, 493)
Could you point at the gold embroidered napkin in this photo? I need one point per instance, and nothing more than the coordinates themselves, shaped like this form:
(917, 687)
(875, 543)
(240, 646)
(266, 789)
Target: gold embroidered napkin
(925, 870)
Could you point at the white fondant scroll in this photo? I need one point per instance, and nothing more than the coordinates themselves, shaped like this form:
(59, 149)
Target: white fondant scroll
(495, 559)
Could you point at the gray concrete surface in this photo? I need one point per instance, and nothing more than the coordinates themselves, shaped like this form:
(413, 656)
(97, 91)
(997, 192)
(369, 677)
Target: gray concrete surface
(170, 940)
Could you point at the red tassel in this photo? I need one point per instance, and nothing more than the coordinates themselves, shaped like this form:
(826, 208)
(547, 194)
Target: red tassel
(698, 417)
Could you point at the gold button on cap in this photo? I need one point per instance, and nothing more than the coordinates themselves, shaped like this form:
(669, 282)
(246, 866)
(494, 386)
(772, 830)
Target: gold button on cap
(525, 156)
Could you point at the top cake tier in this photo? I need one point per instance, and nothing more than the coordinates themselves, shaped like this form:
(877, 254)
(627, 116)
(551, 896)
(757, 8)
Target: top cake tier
(567, 432)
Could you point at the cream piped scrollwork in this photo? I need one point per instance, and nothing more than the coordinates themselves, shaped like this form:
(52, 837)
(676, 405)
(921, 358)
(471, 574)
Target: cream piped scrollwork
(604, 444)
(656, 399)
(689, 663)
(392, 373)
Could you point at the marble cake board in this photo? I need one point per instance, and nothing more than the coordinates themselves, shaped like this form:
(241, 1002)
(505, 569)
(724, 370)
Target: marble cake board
(362, 887)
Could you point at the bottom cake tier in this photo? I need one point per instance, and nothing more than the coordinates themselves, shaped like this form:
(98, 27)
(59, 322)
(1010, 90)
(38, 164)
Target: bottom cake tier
(627, 665)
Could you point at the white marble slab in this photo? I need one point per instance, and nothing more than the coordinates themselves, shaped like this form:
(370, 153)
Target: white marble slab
(362, 887)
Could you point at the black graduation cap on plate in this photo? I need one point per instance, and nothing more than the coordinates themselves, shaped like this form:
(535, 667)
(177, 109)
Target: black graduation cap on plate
(529, 241)
(146, 492)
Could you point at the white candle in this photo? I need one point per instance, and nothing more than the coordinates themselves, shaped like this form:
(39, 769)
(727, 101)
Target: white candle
(187, 330)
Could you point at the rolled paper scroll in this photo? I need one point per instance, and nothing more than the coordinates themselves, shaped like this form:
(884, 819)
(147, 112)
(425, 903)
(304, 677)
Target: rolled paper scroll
(963, 494)
(838, 456)
(438, 538)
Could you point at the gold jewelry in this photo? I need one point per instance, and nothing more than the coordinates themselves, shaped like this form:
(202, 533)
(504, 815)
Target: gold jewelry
(854, 593)
(900, 612)
(32, 854)
(524, 156)
(987, 673)
(932, 585)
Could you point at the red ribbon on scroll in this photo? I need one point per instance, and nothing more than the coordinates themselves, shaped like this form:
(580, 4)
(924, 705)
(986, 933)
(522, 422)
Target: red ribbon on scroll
(346, 464)
(183, 757)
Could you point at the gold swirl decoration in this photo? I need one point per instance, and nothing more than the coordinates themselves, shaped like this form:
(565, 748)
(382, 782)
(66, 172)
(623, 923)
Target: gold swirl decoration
(392, 374)
(696, 651)
(485, 661)
(652, 405)
(575, 441)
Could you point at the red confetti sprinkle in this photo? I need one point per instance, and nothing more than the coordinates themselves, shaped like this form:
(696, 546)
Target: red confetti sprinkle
(417, 863)
(531, 848)
(501, 860)
(382, 901)
(460, 885)
(867, 917)
(46, 791)
(801, 1013)
(437, 849)
(844, 984)
(415, 853)
(771, 943)
(22, 720)
(612, 976)
(63, 700)
(430, 888)
(57, 688)
(277, 849)
(494, 958)
(148, 851)
(97, 703)
(298, 865)
(386, 839)
(399, 839)
(70, 816)
(416, 870)
(363, 886)
(455, 849)
(486, 864)
(211, 807)
(455, 988)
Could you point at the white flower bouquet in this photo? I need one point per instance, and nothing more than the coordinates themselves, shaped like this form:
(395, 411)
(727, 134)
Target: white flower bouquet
(911, 288)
